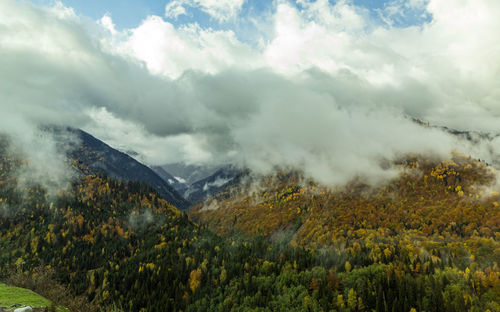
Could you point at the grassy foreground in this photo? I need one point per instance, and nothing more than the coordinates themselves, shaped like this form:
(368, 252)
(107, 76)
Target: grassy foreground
(10, 295)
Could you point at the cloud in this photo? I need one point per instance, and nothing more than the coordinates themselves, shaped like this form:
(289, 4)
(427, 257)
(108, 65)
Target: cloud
(44, 162)
(220, 10)
(331, 91)
(174, 9)
(171, 51)
(108, 24)
(444, 56)
(398, 12)
(133, 138)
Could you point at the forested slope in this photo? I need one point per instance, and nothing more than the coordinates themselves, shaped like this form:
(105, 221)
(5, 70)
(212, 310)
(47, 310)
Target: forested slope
(123, 247)
(436, 217)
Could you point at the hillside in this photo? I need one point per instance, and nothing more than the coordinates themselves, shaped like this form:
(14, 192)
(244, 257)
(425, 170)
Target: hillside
(95, 235)
(124, 248)
(451, 198)
(436, 213)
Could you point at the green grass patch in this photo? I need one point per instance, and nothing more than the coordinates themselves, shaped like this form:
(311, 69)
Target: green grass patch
(10, 295)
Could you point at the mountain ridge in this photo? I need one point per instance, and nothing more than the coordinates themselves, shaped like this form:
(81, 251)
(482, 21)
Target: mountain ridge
(97, 157)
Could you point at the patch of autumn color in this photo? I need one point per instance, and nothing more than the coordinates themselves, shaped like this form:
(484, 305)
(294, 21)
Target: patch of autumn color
(161, 245)
(195, 279)
(89, 238)
(426, 200)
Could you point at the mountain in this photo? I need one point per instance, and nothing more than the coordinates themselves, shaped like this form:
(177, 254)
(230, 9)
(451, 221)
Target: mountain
(95, 157)
(426, 241)
(213, 184)
(196, 182)
(189, 173)
(179, 186)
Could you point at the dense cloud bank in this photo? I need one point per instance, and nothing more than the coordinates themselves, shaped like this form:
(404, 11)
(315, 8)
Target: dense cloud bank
(328, 90)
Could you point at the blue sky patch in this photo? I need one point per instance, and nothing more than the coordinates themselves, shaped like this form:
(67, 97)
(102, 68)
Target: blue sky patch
(130, 13)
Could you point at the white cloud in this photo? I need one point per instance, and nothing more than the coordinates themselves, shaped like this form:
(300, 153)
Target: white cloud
(314, 37)
(170, 51)
(221, 10)
(132, 137)
(329, 93)
(174, 9)
(108, 24)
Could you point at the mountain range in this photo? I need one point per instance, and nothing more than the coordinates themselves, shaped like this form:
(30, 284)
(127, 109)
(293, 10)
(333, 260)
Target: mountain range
(190, 185)
(427, 240)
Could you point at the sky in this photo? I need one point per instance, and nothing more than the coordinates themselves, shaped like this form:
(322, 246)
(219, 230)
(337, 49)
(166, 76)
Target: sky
(130, 13)
(327, 87)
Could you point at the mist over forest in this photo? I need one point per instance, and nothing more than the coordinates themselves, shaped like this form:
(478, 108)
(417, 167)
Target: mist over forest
(306, 155)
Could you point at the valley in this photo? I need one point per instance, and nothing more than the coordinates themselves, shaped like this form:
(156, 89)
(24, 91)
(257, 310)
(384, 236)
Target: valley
(250, 156)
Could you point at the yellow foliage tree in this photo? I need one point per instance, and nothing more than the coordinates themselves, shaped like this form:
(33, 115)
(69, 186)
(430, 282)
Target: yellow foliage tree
(195, 279)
